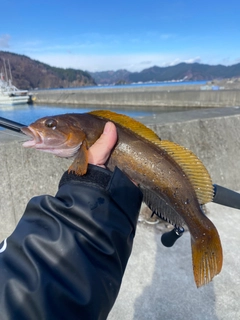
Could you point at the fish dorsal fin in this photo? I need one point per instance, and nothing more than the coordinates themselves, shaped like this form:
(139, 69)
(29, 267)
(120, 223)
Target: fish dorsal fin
(129, 123)
(188, 161)
(192, 167)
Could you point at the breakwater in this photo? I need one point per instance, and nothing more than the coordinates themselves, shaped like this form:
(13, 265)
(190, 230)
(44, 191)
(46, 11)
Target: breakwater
(186, 96)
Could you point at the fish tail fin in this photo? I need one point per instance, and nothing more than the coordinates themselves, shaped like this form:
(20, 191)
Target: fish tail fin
(207, 256)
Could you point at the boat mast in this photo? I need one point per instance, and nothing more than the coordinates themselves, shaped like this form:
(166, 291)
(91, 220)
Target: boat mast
(6, 74)
(10, 73)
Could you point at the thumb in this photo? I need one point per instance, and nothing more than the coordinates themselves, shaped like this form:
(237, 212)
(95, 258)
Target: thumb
(100, 151)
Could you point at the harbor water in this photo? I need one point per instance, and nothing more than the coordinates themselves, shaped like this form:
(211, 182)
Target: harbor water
(26, 114)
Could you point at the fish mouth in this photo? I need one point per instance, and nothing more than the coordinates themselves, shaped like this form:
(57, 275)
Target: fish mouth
(37, 142)
(35, 137)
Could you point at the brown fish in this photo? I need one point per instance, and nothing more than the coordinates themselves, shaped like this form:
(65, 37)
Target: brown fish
(174, 182)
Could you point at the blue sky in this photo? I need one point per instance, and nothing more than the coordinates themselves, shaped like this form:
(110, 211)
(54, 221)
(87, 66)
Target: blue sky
(99, 35)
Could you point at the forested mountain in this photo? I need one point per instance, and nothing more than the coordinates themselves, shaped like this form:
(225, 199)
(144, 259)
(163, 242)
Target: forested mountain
(111, 77)
(30, 74)
(186, 71)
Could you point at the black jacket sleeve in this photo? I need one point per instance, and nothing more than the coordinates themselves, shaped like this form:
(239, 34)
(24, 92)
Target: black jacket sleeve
(67, 256)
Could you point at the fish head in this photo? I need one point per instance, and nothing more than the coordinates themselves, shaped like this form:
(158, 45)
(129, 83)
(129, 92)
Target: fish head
(60, 135)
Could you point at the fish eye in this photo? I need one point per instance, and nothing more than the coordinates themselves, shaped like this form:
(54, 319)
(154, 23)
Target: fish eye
(51, 123)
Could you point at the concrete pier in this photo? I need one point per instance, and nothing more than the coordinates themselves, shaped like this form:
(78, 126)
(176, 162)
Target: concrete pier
(186, 96)
(158, 283)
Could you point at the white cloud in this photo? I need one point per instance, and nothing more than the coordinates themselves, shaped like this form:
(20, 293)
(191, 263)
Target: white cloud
(227, 61)
(193, 60)
(131, 62)
(178, 60)
(4, 41)
(66, 58)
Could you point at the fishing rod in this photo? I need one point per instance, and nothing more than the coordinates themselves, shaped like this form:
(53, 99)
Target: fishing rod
(222, 196)
(11, 125)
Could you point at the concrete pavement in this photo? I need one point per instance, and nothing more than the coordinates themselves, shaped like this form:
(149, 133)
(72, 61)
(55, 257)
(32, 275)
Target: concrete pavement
(159, 284)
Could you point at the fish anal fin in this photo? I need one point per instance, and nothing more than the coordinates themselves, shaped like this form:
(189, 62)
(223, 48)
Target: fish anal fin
(207, 257)
(80, 163)
(161, 208)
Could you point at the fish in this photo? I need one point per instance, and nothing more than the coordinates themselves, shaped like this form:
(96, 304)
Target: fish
(174, 182)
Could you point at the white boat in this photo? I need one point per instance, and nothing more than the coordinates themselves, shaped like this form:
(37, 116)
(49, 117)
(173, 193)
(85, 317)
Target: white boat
(9, 94)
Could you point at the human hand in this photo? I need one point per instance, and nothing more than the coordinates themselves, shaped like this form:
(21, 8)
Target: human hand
(100, 151)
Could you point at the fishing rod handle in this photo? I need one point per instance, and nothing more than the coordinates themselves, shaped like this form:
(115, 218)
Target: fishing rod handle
(226, 197)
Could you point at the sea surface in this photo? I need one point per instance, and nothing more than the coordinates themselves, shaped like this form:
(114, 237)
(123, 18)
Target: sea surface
(27, 114)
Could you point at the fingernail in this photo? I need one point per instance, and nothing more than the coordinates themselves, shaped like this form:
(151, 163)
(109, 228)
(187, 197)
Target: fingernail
(107, 128)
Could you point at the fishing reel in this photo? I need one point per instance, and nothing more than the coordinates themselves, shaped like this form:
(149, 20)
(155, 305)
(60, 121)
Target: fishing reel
(169, 238)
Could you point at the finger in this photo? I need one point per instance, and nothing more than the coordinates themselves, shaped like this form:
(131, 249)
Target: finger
(101, 149)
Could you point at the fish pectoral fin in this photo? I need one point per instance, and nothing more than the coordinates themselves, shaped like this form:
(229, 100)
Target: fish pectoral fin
(207, 257)
(80, 163)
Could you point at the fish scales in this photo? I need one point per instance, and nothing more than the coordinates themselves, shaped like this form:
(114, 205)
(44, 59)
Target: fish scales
(173, 180)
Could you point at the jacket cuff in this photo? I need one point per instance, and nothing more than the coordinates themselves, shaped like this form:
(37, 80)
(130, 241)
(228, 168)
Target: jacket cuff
(94, 175)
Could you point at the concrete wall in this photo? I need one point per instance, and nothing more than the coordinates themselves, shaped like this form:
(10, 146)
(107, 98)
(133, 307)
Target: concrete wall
(152, 96)
(25, 173)
(216, 141)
